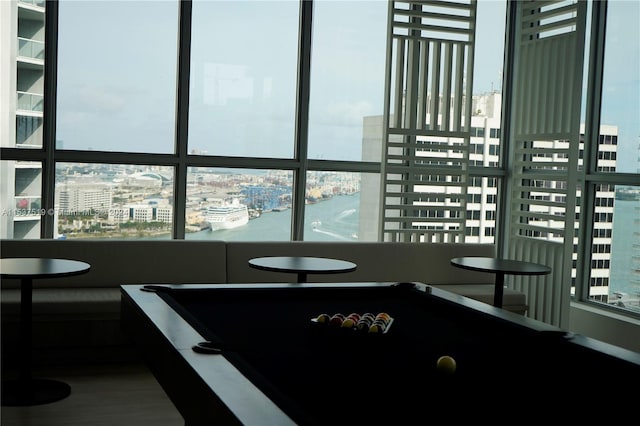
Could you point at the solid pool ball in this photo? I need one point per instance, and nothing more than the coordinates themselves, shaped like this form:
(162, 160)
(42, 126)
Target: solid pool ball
(377, 327)
(323, 318)
(380, 322)
(446, 364)
(336, 320)
(348, 323)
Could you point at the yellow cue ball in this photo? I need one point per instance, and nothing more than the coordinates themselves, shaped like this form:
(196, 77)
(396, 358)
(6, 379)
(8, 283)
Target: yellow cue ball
(446, 364)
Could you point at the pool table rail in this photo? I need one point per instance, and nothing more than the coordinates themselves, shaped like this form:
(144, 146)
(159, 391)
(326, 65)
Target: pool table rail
(166, 342)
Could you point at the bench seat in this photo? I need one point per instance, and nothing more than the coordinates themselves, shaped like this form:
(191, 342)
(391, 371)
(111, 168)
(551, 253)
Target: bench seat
(82, 312)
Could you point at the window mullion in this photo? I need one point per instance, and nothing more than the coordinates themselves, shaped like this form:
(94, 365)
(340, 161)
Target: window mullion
(49, 119)
(302, 118)
(182, 120)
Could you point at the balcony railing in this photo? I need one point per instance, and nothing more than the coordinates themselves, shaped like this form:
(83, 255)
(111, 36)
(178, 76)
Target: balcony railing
(29, 48)
(30, 102)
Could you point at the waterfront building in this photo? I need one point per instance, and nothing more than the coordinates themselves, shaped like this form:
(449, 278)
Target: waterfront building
(88, 199)
(140, 213)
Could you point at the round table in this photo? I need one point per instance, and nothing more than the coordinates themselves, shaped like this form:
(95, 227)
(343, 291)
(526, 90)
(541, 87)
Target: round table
(500, 267)
(302, 265)
(26, 390)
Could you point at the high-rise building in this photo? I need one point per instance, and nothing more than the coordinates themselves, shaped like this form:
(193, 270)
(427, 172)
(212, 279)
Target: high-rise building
(21, 114)
(482, 193)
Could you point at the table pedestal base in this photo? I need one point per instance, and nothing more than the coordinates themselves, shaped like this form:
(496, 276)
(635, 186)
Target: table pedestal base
(33, 392)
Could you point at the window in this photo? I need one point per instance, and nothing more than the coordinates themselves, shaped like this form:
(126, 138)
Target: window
(289, 124)
(242, 99)
(238, 204)
(116, 89)
(347, 80)
(113, 201)
(341, 206)
(612, 273)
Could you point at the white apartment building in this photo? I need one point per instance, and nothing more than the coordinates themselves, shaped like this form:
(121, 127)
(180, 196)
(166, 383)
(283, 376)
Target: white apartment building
(71, 199)
(21, 112)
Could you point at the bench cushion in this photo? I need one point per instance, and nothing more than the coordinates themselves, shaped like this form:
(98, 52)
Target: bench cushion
(117, 262)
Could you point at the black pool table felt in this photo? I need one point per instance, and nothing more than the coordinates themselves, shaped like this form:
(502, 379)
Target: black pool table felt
(320, 374)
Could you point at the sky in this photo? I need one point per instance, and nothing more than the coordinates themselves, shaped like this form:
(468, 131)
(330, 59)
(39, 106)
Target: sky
(621, 91)
(127, 76)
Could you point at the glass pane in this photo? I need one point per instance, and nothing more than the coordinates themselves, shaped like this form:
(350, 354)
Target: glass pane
(482, 193)
(238, 204)
(615, 264)
(347, 79)
(28, 131)
(113, 201)
(487, 84)
(489, 46)
(243, 78)
(621, 85)
(117, 75)
(20, 199)
(341, 206)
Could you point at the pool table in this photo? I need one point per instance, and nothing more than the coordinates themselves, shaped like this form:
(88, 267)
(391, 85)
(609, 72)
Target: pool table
(254, 354)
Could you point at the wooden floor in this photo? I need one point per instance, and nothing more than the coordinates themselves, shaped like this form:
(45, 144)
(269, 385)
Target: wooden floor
(109, 395)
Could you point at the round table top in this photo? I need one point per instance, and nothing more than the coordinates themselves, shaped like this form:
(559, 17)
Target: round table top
(315, 265)
(507, 266)
(21, 267)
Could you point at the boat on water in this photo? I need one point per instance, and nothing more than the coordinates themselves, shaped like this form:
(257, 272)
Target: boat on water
(227, 215)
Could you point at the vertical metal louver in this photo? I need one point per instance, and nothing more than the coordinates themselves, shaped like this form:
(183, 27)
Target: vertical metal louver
(544, 140)
(427, 120)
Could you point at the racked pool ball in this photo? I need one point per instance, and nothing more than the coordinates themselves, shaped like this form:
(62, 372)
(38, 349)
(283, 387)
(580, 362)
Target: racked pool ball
(383, 316)
(377, 327)
(348, 323)
(368, 315)
(446, 364)
(364, 324)
(354, 316)
(336, 320)
(323, 319)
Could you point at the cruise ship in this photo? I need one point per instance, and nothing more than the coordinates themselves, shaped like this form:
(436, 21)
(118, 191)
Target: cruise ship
(227, 215)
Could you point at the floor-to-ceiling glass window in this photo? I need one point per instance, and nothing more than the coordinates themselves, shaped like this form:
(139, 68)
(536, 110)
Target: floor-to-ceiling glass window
(614, 276)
